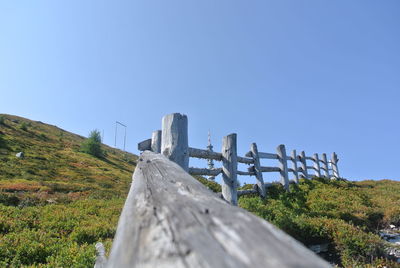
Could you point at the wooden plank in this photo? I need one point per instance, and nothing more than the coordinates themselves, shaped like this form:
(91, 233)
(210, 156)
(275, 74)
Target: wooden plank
(174, 141)
(205, 171)
(245, 192)
(281, 150)
(245, 173)
(294, 166)
(245, 160)
(267, 155)
(317, 167)
(172, 220)
(257, 170)
(144, 145)
(303, 161)
(262, 155)
(270, 169)
(204, 154)
(334, 161)
(229, 167)
(156, 141)
(325, 167)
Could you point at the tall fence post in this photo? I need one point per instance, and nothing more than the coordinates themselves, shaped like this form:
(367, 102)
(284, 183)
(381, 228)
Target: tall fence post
(229, 169)
(282, 158)
(174, 141)
(335, 169)
(257, 170)
(303, 161)
(294, 166)
(317, 167)
(325, 165)
(156, 141)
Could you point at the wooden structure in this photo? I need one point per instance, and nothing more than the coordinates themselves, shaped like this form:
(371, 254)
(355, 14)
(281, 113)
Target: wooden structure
(174, 145)
(171, 220)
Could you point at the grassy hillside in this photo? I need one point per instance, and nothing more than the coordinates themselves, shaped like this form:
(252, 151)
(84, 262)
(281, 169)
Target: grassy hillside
(346, 215)
(56, 202)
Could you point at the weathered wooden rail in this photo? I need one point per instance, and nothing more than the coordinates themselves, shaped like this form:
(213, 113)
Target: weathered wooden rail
(172, 141)
(172, 220)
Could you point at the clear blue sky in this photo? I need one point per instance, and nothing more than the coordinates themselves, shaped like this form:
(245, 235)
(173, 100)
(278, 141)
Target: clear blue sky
(319, 76)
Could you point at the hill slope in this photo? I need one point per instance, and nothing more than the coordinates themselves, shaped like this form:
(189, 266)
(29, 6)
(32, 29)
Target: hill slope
(56, 202)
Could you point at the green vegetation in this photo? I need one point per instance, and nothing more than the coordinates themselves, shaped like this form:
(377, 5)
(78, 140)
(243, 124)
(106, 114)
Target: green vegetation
(344, 214)
(213, 186)
(2, 141)
(24, 126)
(57, 202)
(92, 145)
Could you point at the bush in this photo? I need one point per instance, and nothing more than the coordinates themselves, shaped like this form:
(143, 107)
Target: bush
(212, 185)
(43, 136)
(92, 145)
(9, 200)
(23, 126)
(2, 141)
(2, 119)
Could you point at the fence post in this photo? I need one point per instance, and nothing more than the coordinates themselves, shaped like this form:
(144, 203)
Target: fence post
(229, 169)
(325, 164)
(335, 169)
(156, 141)
(174, 141)
(303, 161)
(259, 176)
(294, 166)
(282, 158)
(317, 167)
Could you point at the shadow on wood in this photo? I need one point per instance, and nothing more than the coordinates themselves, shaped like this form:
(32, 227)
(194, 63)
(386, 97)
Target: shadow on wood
(172, 220)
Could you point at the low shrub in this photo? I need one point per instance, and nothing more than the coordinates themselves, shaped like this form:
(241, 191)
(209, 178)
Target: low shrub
(23, 126)
(2, 141)
(212, 185)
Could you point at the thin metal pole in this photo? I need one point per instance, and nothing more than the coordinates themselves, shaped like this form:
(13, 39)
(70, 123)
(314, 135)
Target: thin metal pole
(125, 139)
(115, 142)
(116, 124)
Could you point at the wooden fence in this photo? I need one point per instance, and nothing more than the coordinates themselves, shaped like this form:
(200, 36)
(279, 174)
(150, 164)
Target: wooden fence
(172, 141)
(171, 220)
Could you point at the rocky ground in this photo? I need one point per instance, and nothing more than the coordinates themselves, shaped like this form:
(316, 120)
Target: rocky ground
(392, 236)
